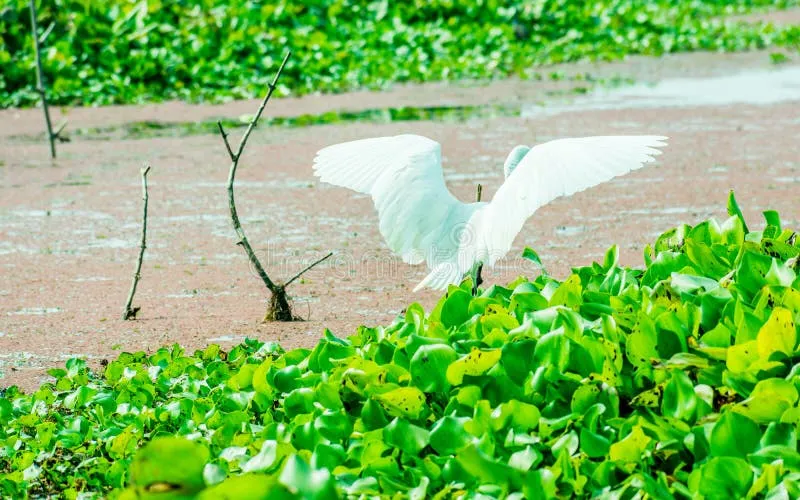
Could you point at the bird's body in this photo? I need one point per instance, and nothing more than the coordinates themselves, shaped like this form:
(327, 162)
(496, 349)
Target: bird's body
(423, 222)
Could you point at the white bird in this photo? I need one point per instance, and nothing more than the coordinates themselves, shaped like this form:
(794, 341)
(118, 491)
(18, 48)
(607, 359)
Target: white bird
(423, 222)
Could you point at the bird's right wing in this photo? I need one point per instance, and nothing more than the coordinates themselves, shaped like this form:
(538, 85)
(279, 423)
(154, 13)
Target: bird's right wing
(419, 218)
(551, 170)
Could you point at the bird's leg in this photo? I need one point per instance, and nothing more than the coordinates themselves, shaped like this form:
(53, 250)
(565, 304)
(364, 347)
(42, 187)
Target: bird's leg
(476, 278)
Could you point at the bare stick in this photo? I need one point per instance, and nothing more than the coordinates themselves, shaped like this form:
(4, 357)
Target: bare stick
(40, 81)
(317, 262)
(130, 313)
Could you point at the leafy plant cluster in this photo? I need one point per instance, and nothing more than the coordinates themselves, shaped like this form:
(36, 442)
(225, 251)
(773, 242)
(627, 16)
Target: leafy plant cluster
(678, 380)
(131, 51)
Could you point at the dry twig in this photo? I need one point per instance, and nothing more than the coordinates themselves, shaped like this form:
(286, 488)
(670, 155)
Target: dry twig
(130, 313)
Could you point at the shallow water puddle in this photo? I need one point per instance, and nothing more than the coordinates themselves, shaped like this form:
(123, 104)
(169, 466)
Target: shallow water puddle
(752, 87)
(34, 311)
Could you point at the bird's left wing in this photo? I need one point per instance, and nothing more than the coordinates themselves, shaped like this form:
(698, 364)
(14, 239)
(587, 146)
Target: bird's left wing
(419, 218)
(549, 171)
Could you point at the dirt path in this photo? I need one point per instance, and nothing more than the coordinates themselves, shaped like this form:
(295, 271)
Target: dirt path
(69, 229)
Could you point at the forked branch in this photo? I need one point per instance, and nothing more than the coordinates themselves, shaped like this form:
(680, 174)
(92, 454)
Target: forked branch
(279, 308)
(130, 312)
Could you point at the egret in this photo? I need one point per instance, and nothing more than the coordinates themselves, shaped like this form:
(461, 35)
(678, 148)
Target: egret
(421, 221)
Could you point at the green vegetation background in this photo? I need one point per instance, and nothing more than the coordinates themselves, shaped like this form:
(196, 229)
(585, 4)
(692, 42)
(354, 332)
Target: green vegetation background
(124, 51)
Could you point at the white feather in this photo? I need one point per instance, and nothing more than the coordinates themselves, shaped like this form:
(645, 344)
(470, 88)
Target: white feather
(549, 171)
(418, 217)
(422, 221)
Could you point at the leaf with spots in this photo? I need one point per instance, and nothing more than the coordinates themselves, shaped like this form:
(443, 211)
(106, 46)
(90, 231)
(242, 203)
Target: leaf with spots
(476, 363)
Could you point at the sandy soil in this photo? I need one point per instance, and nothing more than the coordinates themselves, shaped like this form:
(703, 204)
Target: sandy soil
(69, 229)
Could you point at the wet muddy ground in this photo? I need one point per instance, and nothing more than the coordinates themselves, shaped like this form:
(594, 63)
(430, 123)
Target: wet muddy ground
(69, 229)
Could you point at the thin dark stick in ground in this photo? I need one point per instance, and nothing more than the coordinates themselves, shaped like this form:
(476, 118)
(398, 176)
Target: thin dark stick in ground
(279, 308)
(130, 313)
(51, 135)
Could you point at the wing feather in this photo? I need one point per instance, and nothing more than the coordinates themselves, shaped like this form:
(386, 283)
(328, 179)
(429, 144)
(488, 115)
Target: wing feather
(419, 218)
(549, 171)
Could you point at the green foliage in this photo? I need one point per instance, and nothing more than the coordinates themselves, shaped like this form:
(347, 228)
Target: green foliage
(131, 51)
(679, 380)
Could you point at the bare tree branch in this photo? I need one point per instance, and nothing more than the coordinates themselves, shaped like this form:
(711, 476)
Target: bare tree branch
(237, 226)
(254, 121)
(227, 144)
(279, 307)
(40, 80)
(130, 313)
(307, 268)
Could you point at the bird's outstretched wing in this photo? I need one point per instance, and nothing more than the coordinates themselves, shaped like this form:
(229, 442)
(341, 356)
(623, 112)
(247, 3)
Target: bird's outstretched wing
(549, 171)
(419, 218)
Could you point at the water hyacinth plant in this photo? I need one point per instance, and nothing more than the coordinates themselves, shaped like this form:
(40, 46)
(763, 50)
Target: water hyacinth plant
(136, 51)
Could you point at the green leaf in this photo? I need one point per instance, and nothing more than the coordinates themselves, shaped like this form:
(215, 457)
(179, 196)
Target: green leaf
(568, 293)
(529, 254)
(246, 486)
(725, 477)
(631, 448)
(734, 435)
(484, 468)
(524, 459)
(773, 218)
(6, 411)
(516, 357)
(477, 362)
(79, 397)
(408, 402)
(455, 308)
(769, 400)
(406, 437)
(172, 461)
(778, 334)
(448, 435)
(264, 459)
(734, 210)
(680, 400)
(429, 367)
(298, 477)
(595, 445)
